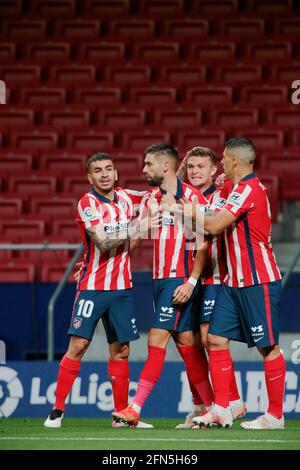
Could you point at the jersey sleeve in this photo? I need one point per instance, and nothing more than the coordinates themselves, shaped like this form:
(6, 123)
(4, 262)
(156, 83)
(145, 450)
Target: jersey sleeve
(240, 200)
(89, 211)
(135, 196)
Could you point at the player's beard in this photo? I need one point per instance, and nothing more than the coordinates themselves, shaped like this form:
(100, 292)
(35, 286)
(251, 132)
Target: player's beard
(156, 181)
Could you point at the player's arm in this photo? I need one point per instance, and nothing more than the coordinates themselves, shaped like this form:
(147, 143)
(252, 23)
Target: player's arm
(216, 222)
(104, 241)
(183, 293)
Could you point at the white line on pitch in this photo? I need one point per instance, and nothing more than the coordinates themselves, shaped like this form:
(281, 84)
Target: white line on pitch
(46, 438)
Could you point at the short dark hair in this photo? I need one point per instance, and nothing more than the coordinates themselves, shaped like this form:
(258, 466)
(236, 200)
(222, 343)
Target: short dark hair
(203, 152)
(98, 156)
(235, 142)
(166, 148)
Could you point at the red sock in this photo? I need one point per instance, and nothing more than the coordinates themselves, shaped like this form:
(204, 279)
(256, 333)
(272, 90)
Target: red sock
(118, 372)
(150, 374)
(68, 371)
(197, 369)
(195, 395)
(275, 378)
(234, 392)
(220, 364)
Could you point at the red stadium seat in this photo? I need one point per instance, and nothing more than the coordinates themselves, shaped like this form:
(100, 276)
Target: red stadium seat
(209, 95)
(285, 72)
(178, 118)
(265, 94)
(10, 206)
(110, 8)
(142, 139)
(66, 229)
(212, 50)
(35, 140)
(286, 164)
(99, 96)
(242, 27)
(63, 162)
(270, 50)
(50, 8)
(20, 74)
(133, 27)
(103, 51)
(235, 118)
(215, 7)
(11, 8)
(56, 206)
(137, 184)
(121, 118)
(26, 28)
(296, 138)
(158, 51)
(284, 117)
(186, 28)
(78, 28)
(161, 7)
(286, 26)
(49, 51)
(264, 138)
(25, 228)
(183, 74)
(12, 162)
(270, 8)
(73, 74)
(127, 166)
(153, 96)
(17, 271)
(16, 117)
(76, 185)
(7, 51)
(34, 183)
(128, 73)
(214, 139)
(91, 140)
(44, 96)
(239, 73)
(53, 272)
(67, 118)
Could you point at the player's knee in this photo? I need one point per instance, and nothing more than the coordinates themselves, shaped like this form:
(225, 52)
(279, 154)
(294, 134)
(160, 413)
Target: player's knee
(78, 347)
(121, 353)
(214, 341)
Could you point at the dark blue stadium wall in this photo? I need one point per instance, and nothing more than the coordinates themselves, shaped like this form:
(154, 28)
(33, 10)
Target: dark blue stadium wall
(23, 317)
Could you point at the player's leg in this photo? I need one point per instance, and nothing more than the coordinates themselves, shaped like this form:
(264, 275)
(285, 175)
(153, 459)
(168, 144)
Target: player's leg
(262, 319)
(86, 311)
(165, 317)
(224, 325)
(195, 361)
(238, 407)
(118, 371)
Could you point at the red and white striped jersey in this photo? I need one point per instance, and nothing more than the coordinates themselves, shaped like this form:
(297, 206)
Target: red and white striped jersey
(250, 257)
(111, 270)
(215, 268)
(174, 245)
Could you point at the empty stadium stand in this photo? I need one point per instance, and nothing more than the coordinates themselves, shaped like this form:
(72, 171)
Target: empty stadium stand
(118, 75)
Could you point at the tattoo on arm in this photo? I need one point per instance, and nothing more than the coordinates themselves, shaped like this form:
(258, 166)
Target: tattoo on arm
(104, 243)
(210, 213)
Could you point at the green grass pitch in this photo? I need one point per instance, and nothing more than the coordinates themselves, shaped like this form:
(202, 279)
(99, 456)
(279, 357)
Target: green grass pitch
(97, 434)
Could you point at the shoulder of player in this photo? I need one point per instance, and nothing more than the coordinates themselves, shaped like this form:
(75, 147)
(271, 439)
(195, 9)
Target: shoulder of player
(190, 192)
(87, 199)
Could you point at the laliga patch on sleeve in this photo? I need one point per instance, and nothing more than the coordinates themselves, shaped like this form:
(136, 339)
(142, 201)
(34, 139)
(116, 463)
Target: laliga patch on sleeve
(235, 199)
(90, 214)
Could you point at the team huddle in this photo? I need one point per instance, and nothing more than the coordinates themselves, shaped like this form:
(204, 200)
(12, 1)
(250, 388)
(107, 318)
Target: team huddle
(215, 279)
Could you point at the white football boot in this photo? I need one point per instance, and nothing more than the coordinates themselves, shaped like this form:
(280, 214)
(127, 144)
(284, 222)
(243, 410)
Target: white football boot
(54, 419)
(265, 421)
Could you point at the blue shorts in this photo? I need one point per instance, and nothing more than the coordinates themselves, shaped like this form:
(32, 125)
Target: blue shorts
(205, 302)
(248, 314)
(169, 316)
(114, 307)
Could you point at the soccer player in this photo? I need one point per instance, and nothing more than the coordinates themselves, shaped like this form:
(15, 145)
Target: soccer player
(175, 274)
(104, 288)
(199, 167)
(247, 308)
